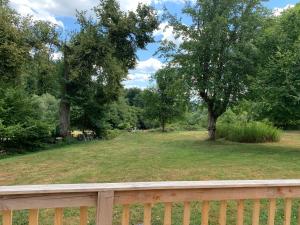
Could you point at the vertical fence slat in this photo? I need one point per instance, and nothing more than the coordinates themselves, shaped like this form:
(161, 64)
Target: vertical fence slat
(287, 211)
(186, 213)
(299, 214)
(222, 216)
(256, 212)
(105, 203)
(125, 215)
(272, 211)
(33, 217)
(205, 213)
(147, 214)
(83, 215)
(58, 216)
(7, 217)
(168, 213)
(240, 212)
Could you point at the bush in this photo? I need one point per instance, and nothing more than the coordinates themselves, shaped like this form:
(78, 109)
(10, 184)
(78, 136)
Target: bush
(22, 125)
(248, 132)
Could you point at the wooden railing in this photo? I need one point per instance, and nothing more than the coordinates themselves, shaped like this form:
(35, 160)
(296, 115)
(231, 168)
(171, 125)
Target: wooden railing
(105, 196)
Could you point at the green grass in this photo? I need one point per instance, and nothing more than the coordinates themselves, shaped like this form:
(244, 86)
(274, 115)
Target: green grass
(153, 156)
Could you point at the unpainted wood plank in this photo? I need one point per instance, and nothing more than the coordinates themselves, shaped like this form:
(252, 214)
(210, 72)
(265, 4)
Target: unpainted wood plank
(168, 213)
(84, 215)
(58, 216)
(79, 188)
(240, 212)
(205, 213)
(272, 211)
(33, 217)
(299, 214)
(287, 211)
(147, 214)
(186, 213)
(188, 195)
(256, 212)
(222, 215)
(104, 215)
(7, 217)
(38, 201)
(125, 215)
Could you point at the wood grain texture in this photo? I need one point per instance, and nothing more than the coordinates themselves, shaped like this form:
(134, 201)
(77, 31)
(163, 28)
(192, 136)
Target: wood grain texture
(186, 213)
(104, 214)
(211, 194)
(256, 212)
(58, 216)
(125, 215)
(222, 215)
(33, 217)
(38, 201)
(240, 212)
(205, 213)
(287, 211)
(168, 213)
(147, 214)
(75, 188)
(272, 212)
(7, 217)
(83, 215)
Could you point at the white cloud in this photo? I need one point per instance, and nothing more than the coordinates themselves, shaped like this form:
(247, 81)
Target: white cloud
(167, 32)
(56, 56)
(26, 7)
(140, 76)
(279, 11)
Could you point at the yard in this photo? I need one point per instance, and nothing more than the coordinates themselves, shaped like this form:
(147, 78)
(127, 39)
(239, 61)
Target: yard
(153, 156)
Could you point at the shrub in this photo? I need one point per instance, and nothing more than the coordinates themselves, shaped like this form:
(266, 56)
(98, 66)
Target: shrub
(248, 132)
(21, 121)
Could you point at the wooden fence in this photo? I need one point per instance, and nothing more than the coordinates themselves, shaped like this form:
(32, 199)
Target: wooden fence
(105, 196)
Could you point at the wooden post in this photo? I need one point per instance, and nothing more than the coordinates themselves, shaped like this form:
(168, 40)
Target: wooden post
(240, 212)
(186, 213)
(7, 217)
(105, 203)
(83, 215)
(222, 216)
(33, 217)
(126, 215)
(58, 217)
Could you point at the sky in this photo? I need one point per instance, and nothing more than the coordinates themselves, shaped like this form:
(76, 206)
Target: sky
(62, 13)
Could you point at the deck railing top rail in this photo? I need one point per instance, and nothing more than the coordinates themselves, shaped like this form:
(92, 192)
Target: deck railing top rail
(132, 186)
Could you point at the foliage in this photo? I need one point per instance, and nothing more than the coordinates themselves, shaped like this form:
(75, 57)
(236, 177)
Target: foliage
(218, 52)
(166, 101)
(249, 132)
(24, 122)
(98, 58)
(277, 86)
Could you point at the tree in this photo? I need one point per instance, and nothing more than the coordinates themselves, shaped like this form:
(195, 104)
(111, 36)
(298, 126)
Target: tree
(99, 56)
(217, 54)
(277, 86)
(167, 100)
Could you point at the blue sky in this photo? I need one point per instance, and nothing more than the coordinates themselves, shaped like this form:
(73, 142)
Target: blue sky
(62, 12)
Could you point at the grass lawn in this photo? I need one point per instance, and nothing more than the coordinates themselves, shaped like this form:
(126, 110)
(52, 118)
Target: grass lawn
(152, 156)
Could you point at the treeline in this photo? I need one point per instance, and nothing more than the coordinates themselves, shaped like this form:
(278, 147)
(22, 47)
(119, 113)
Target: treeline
(235, 62)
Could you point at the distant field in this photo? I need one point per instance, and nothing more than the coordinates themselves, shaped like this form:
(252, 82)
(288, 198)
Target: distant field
(153, 156)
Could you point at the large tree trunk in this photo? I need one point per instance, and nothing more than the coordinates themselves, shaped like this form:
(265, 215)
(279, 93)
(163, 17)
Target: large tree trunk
(64, 118)
(64, 107)
(212, 121)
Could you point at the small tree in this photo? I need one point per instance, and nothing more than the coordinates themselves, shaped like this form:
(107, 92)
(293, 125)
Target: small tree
(166, 101)
(217, 53)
